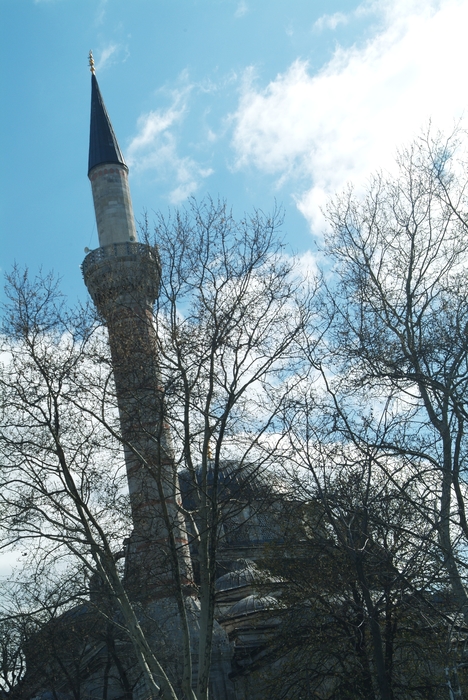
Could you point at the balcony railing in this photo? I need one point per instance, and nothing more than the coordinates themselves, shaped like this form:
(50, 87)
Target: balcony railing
(119, 250)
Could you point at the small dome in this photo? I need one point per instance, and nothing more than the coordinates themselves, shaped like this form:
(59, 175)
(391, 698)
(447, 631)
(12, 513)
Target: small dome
(238, 578)
(252, 604)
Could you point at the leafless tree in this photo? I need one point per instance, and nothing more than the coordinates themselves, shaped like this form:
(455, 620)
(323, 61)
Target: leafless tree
(229, 316)
(392, 367)
(365, 611)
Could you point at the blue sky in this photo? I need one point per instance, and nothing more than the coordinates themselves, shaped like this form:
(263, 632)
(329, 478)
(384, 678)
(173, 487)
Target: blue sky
(251, 100)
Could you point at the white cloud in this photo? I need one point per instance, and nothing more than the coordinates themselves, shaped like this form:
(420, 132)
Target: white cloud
(331, 21)
(154, 147)
(339, 124)
(241, 10)
(100, 12)
(111, 54)
(8, 560)
(307, 265)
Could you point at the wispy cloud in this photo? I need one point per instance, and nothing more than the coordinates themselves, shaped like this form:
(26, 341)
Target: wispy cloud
(110, 54)
(100, 12)
(322, 130)
(241, 10)
(155, 147)
(330, 21)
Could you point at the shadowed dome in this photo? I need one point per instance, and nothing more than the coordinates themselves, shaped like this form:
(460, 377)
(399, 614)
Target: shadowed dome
(239, 577)
(252, 604)
(236, 480)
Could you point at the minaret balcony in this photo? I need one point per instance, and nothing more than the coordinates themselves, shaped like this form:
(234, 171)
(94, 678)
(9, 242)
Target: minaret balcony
(122, 269)
(127, 249)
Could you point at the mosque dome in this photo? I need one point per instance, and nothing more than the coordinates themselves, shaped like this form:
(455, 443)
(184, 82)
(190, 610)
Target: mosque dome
(246, 481)
(245, 576)
(252, 604)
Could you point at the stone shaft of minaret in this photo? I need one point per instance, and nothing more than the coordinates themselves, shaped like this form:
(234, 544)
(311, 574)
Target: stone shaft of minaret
(122, 277)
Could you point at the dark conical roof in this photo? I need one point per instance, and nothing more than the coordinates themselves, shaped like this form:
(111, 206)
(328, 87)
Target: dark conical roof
(103, 145)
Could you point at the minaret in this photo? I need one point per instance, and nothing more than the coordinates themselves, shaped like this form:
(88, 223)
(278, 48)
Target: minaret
(122, 277)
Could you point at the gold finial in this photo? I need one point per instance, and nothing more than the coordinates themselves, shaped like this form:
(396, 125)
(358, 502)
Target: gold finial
(91, 63)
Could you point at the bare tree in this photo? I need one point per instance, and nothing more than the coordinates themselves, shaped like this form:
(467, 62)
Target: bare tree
(392, 368)
(365, 611)
(229, 316)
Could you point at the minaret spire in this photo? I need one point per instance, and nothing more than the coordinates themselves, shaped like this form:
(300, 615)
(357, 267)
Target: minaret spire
(103, 144)
(108, 173)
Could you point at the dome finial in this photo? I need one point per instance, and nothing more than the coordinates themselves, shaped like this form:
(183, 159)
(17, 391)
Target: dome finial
(91, 63)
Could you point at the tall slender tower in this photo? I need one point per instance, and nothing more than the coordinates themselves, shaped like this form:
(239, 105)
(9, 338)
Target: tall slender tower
(122, 277)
